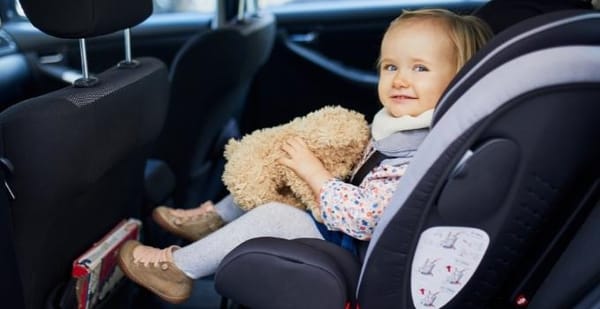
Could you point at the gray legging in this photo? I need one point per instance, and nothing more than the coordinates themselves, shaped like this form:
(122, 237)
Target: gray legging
(202, 257)
(228, 210)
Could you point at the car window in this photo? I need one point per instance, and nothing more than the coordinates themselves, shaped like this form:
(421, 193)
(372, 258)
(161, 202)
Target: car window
(200, 6)
(208, 6)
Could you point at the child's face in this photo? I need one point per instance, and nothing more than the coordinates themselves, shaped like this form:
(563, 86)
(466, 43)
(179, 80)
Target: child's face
(417, 63)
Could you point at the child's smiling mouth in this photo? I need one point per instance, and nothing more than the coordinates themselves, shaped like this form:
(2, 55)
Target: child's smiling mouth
(401, 98)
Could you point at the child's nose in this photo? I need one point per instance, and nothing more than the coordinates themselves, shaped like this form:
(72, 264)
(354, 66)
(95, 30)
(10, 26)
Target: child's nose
(399, 81)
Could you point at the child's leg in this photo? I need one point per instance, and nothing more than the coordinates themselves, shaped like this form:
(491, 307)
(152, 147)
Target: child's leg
(202, 257)
(228, 210)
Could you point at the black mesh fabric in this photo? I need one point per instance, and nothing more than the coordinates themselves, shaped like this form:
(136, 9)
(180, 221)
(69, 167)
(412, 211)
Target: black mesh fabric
(74, 19)
(79, 167)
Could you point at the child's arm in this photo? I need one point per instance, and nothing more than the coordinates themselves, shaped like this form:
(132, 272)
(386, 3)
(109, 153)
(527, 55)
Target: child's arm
(354, 210)
(302, 161)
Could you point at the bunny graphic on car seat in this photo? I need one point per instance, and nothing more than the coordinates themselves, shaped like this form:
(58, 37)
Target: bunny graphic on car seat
(429, 299)
(427, 267)
(450, 240)
(455, 276)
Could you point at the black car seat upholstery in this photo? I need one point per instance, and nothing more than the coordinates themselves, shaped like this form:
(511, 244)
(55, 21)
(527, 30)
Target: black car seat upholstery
(10, 285)
(77, 154)
(574, 281)
(511, 157)
(210, 79)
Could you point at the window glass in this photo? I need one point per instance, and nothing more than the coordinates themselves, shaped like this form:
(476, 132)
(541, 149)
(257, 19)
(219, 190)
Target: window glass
(208, 6)
(170, 6)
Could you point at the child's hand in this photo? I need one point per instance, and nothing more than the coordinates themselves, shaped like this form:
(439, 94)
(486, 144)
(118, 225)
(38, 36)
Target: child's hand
(302, 161)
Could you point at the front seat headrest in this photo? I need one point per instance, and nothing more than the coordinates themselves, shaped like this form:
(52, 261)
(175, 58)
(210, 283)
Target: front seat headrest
(75, 19)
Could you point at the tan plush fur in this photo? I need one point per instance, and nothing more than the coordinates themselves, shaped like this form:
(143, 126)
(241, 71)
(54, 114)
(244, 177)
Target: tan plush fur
(337, 136)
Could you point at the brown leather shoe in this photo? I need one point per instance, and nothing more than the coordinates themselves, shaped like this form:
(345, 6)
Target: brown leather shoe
(190, 224)
(154, 269)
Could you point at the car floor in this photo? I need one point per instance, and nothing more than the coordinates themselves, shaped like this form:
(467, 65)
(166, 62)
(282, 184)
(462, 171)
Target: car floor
(203, 296)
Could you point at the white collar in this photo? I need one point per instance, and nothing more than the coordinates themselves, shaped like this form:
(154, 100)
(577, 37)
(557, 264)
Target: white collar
(385, 124)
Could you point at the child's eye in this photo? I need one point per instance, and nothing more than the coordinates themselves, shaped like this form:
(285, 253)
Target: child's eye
(388, 67)
(420, 68)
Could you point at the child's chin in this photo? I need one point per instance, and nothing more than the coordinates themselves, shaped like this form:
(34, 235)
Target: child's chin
(400, 113)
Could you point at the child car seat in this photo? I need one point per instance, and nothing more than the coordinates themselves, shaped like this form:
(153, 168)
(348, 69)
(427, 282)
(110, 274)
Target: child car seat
(512, 154)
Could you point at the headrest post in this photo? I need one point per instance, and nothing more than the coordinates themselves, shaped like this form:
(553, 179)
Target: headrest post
(127, 45)
(84, 65)
(241, 10)
(220, 16)
(128, 63)
(85, 81)
(253, 7)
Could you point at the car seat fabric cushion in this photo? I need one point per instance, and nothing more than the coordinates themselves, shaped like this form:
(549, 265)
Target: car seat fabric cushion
(397, 231)
(303, 272)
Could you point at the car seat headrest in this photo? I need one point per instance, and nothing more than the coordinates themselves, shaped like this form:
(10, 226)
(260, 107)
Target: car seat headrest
(75, 19)
(515, 42)
(500, 15)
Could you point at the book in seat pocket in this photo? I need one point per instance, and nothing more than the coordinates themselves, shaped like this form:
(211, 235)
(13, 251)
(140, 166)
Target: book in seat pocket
(97, 271)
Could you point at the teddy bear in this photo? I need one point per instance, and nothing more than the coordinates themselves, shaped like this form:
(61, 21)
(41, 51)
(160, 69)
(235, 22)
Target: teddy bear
(337, 136)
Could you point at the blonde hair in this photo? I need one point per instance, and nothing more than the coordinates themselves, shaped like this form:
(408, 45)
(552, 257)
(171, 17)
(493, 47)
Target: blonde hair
(468, 33)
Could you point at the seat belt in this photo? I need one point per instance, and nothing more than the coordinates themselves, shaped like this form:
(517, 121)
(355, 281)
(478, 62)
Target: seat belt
(11, 286)
(374, 160)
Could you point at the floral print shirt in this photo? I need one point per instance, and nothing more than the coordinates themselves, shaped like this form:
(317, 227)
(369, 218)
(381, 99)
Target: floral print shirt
(356, 210)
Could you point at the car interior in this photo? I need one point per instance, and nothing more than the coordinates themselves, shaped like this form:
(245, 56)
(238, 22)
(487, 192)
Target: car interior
(110, 108)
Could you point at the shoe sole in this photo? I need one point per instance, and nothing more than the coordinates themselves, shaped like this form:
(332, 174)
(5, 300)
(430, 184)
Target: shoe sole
(170, 299)
(167, 226)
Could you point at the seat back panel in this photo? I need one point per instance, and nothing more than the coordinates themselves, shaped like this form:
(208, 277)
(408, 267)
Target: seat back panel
(79, 160)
